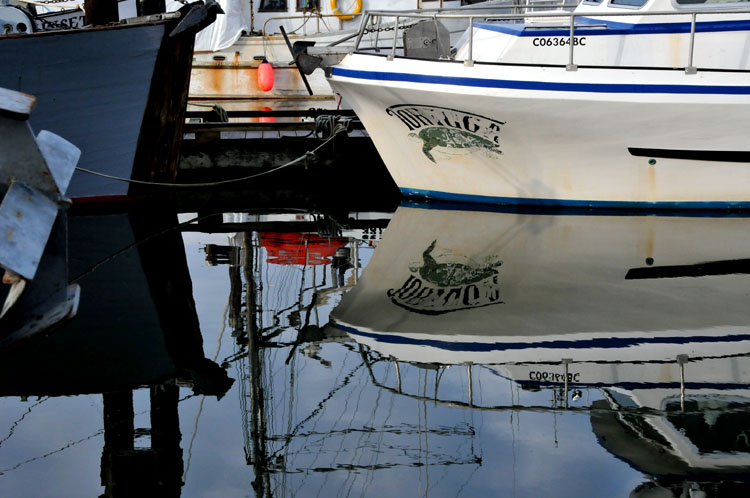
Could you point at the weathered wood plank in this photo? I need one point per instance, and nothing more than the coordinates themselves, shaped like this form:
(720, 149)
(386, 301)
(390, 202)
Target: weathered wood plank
(26, 217)
(16, 105)
(20, 159)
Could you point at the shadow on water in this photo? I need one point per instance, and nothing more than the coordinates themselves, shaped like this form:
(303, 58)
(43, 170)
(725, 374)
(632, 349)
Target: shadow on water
(136, 326)
(365, 348)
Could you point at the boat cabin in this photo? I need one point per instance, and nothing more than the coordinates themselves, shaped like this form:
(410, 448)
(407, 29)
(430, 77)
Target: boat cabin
(618, 33)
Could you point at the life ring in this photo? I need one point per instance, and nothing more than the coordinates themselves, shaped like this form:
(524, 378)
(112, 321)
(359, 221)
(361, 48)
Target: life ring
(345, 17)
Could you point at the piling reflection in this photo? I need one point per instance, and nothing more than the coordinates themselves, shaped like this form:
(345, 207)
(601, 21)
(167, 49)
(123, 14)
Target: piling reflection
(136, 328)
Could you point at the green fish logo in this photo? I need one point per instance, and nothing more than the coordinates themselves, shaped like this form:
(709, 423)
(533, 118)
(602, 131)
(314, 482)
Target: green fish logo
(449, 274)
(448, 283)
(452, 139)
(445, 129)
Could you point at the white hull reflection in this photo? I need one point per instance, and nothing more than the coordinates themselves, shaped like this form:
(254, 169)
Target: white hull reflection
(640, 321)
(455, 287)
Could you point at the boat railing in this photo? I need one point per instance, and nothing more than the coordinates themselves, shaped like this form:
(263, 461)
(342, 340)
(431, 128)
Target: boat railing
(515, 5)
(305, 18)
(404, 20)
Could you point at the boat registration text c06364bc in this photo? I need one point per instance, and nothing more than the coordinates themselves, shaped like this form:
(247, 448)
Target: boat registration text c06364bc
(558, 41)
(542, 376)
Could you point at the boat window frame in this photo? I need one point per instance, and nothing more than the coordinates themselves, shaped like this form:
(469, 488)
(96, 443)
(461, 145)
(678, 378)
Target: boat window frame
(314, 8)
(611, 3)
(262, 9)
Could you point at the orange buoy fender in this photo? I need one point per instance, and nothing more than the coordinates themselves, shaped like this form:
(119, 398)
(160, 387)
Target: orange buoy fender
(265, 76)
(266, 119)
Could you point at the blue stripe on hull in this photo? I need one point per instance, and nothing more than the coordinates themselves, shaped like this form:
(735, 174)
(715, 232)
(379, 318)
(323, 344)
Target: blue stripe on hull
(631, 386)
(530, 201)
(542, 85)
(600, 342)
(613, 28)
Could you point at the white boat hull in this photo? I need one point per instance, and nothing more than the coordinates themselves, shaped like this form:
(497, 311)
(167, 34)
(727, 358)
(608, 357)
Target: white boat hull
(545, 135)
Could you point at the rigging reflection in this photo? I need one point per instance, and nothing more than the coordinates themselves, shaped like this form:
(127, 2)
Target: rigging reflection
(290, 368)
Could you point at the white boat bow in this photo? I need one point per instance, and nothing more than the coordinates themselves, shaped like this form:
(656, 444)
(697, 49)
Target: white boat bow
(613, 104)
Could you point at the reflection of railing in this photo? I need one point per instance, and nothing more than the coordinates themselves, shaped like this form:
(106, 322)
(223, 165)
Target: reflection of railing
(401, 17)
(471, 405)
(561, 388)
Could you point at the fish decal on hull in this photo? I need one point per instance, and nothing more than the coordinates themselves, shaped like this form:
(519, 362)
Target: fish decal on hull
(449, 130)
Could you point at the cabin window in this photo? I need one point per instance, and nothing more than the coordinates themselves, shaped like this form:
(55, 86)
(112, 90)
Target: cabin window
(628, 3)
(272, 6)
(308, 5)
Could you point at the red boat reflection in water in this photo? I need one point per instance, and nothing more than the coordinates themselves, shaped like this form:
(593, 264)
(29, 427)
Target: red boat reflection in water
(300, 248)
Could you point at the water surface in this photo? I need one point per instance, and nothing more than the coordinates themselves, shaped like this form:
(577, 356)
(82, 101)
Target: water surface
(439, 350)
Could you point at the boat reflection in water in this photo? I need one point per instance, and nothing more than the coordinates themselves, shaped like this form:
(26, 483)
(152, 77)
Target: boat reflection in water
(477, 354)
(638, 321)
(136, 328)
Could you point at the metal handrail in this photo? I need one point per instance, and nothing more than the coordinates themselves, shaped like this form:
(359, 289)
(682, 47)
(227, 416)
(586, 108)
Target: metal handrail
(395, 37)
(690, 69)
(509, 6)
(571, 66)
(311, 16)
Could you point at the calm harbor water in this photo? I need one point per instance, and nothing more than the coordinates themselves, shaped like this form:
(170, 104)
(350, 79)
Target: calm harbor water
(437, 350)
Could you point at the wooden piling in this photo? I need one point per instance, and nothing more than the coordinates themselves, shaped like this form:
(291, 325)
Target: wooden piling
(100, 12)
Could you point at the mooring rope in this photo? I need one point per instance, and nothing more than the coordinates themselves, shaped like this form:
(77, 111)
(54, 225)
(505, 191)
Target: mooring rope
(322, 127)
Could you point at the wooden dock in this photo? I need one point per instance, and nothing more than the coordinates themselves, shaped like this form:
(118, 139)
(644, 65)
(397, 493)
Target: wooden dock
(266, 139)
(253, 146)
